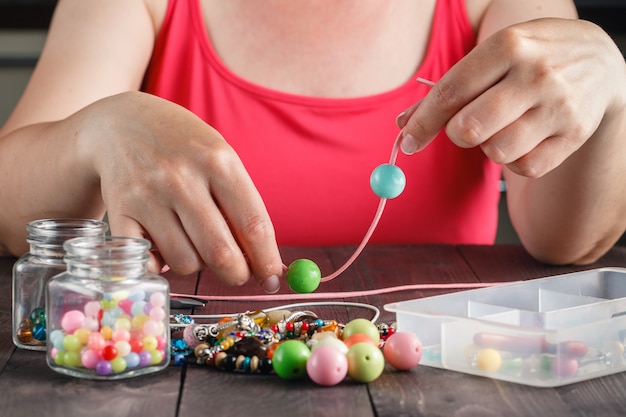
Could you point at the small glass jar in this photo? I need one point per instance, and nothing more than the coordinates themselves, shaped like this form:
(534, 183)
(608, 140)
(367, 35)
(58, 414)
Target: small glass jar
(33, 270)
(108, 316)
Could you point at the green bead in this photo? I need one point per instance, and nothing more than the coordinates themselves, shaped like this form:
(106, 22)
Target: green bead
(362, 326)
(289, 360)
(303, 276)
(38, 315)
(365, 362)
(387, 181)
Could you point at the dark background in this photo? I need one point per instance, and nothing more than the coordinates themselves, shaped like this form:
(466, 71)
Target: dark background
(35, 14)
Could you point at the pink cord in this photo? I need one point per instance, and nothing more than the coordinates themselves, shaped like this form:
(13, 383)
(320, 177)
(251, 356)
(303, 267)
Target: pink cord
(372, 228)
(342, 294)
(379, 211)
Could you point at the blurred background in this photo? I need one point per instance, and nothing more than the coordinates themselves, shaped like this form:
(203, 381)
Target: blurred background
(23, 25)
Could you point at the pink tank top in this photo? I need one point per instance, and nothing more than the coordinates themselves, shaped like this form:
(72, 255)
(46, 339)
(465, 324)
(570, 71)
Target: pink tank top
(311, 157)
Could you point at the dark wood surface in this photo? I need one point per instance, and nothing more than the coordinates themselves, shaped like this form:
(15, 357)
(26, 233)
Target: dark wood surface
(29, 387)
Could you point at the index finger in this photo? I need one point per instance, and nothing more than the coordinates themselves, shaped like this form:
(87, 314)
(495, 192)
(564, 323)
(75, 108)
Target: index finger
(250, 223)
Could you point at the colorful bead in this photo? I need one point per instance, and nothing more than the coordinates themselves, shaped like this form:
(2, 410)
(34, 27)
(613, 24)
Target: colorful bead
(362, 326)
(290, 358)
(387, 181)
(303, 276)
(403, 350)
(489, 360)
(365, 362)
(327, 366)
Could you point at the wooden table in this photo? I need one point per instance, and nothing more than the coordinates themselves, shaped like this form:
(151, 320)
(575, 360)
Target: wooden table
(28, 387)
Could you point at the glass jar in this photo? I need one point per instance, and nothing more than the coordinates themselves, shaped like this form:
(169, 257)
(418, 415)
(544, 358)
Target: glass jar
(108, 316)
(33, 270)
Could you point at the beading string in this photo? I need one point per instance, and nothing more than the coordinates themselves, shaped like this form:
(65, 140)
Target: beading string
(342, 294)
(374, 309)
(349, 294)
(379, 210)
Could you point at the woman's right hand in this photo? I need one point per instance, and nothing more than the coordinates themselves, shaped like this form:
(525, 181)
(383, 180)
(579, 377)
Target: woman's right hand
(167, 176)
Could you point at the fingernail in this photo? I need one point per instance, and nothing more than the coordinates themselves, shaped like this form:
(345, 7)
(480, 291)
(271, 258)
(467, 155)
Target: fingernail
(165, 268)
(409, 145)
(271, 285)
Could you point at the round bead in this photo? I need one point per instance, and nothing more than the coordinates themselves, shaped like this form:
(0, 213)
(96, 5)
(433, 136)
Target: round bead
(265, 365)
(365, 362)
(362, 326)
(38, 315)
(327, 366)
(104, 367)
(489, 360)
(330, 341)
(289, 360)
(358, 338)
(71, 343)
(39, 331)
(72, 320)
(90, 359)
(109, 352)
(403, 350)
(387, 181)
(118, 365)
(303, 276)
(132, 360)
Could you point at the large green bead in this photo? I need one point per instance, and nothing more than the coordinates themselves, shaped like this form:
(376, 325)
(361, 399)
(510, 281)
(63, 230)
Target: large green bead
(303, 276)
(361, 326)
(365, 362)
(289, 360)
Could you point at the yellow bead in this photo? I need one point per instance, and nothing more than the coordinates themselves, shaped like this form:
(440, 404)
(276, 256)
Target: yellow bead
(489, 360)
(139, 320)
(106, 332)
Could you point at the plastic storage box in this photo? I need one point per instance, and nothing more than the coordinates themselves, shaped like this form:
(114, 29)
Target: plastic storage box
(545, 332)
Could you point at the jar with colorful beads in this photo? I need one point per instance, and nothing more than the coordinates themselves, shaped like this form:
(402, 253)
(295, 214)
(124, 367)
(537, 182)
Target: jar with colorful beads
(33, 270)
(108, 316)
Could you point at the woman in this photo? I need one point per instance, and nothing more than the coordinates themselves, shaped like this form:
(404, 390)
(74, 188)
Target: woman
(216, 129)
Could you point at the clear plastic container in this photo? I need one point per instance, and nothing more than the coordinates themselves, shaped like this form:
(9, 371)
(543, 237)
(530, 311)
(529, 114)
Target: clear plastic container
(108, 316)
(544, 332)
(33, 270)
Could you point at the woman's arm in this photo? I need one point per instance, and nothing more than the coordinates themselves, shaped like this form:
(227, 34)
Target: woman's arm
(83, 140)
(547, 99)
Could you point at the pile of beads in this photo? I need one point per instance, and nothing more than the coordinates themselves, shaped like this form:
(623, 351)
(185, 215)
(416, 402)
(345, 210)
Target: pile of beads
(295, 345)
(119, 334)
(32, 330)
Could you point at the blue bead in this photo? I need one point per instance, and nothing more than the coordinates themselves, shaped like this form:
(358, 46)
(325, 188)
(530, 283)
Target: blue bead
(39, 332)
(387, 181)
(179, 359)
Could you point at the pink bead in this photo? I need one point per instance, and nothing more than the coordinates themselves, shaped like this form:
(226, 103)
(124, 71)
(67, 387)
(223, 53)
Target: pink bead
(125, 305)
(403, 350)
(151, 328)
(72, 320)
(327, 366)
(121, 335)
(157, 314)
(90, 358)
(92, 309)
(96, 341)
(161, 343)
(189, 337)
(157, 299)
